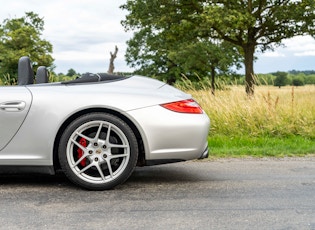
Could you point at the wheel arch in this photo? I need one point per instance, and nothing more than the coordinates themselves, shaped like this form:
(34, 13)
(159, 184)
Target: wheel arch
(141, 155)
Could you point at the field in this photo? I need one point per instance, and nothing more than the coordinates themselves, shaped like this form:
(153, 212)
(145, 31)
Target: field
(274, 122)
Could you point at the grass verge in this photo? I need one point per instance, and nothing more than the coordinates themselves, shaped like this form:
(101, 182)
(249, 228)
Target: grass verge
(243, 146)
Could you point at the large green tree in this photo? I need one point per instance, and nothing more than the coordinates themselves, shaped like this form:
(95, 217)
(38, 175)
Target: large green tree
(165, 42)
(22, 37)
(250, 25)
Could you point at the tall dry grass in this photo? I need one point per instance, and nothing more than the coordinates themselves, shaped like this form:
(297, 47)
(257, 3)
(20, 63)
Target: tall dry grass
(271, 111)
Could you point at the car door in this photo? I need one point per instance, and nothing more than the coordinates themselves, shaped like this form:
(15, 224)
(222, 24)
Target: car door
(15, 102)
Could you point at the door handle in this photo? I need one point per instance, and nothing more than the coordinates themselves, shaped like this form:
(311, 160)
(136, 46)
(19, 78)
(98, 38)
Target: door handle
(13, 106)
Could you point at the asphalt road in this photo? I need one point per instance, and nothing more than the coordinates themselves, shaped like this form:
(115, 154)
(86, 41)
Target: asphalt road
(224, 194)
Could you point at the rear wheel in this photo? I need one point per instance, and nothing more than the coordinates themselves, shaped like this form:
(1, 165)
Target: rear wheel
(98, 151)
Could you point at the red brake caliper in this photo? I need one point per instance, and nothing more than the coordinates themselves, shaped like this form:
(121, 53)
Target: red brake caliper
(80, 151)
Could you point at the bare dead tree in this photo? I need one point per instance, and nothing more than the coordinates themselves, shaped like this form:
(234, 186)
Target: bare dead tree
(111, 61)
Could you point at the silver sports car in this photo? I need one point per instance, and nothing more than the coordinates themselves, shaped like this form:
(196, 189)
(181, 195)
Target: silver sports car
(98, 127)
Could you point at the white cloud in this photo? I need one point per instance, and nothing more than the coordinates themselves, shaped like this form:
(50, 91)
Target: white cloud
(301, 46)
(81, 32)
(296, 46)
(273, 54)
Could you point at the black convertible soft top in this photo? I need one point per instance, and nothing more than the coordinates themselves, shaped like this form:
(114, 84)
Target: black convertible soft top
(95, 77)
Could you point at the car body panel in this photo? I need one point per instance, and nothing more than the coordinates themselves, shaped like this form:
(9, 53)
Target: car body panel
(165, 134)
(172, 135)
(15, 103)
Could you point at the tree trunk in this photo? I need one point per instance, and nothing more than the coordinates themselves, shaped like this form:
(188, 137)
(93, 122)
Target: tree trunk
(111, 61)
(213, 81)
(249, 50)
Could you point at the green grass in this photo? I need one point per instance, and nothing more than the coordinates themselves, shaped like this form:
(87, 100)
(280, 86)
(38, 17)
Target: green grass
(243, 146)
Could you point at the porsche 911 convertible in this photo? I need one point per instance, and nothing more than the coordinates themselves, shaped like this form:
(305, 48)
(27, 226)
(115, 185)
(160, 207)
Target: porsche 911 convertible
(96, 128)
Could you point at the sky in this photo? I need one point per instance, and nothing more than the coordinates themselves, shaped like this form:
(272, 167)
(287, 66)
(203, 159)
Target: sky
(84, 32)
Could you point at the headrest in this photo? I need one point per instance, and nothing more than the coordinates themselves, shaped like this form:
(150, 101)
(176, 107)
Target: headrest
(41, 75)
(25, 71)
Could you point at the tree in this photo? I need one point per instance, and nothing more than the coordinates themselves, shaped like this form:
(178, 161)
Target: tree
(281, 79)
(250, 25)
(298, 81)
(310, 79)
(165, 44)
(71, 73)
(21, 37)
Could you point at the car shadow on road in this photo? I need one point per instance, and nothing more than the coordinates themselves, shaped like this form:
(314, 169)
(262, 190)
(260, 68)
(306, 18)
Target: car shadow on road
(30, 179)
(162, 174)
(170, 173)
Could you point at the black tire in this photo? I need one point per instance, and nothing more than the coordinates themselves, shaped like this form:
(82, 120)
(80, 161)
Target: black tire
(94, 158)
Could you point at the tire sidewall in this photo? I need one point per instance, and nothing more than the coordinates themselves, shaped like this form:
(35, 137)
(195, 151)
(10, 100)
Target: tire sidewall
(132, 141)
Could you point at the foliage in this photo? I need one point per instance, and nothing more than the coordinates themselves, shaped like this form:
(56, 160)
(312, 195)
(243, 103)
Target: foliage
(305, 72)
(203, 83)
(298, 81)
(60, 77)
(310, 79)
(7, 80)
(22, 37)
(228, 80)
(265, 79)
(71, 72)
(165, 44)
(281, 79)
(166, 25)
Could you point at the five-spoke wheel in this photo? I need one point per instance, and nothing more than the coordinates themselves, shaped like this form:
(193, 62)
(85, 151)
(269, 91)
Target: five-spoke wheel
(98, 151)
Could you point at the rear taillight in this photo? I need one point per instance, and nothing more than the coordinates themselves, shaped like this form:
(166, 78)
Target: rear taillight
(185, 106)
